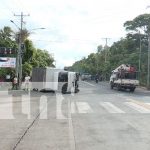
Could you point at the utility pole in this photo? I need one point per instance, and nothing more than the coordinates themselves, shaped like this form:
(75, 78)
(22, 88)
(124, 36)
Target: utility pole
(148, 75)
(106, 45)
(19, 54)
(140, 51)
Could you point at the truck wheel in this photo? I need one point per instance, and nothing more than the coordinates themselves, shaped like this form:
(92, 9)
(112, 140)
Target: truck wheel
(35, 89)
(64, 88)
(132, 89)
(118, 87)
(111, 85)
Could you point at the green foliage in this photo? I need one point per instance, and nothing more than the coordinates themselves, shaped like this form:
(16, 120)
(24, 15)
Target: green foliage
(140, 22)
(29, 51)
(32, 57)
(42, 58)
(6, 40)
(27, 68)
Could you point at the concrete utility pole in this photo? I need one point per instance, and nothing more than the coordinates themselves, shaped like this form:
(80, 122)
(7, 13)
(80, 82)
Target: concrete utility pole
(19, 54)
(148, 75)
(106, 48)
(106, 39)
(140, 56)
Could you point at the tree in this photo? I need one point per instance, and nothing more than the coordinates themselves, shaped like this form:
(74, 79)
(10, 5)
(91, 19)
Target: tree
(6, 40)
(99, 48)
(27, 68)
(42, 58)
(141, 22)
(24, 35)
(29, 51)
(32, 57)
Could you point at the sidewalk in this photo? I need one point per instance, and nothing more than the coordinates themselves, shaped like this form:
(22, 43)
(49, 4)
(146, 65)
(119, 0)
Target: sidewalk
(5, 86)
(6, 89)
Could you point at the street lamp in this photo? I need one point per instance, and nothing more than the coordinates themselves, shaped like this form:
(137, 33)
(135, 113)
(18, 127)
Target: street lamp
(36, 29)
(14, 24)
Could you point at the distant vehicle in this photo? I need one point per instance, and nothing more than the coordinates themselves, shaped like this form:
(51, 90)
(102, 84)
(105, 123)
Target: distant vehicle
(124, 76)
(96, 78)
(54, 80)
(85, 76)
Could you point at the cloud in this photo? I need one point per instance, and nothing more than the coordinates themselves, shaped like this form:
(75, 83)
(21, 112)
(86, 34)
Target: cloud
(74, 28)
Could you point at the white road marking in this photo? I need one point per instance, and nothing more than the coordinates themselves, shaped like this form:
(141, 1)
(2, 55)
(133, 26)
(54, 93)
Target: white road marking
(43, 107)
(71, 130)
(84, 107)
(73, 108)
(137, 107)
(26, 99)
(59, 102)
(111, 108)
(6, 110)
(147, 103)
(88, 83)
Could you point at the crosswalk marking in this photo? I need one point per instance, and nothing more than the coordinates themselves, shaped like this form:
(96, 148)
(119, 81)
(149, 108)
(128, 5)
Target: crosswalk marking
(84, 107)
(147, 103)
(137, 107)
(80, 107)
(73, 109)
(88, 83)
(111, 108)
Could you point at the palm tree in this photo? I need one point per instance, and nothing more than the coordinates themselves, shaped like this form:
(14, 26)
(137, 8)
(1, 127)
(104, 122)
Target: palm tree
(24, 35)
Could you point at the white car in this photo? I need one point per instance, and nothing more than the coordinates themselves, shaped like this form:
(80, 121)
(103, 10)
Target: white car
(85, 76)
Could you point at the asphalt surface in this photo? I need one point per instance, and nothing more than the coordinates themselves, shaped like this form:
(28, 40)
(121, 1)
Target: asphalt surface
(95, 118)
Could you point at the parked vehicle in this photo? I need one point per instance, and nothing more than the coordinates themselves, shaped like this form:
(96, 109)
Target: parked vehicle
(54, 80)
(124, 76)
(85, 76)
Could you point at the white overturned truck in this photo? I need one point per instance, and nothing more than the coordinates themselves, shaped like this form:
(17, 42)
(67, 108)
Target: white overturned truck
(52, 79)
(124, 76)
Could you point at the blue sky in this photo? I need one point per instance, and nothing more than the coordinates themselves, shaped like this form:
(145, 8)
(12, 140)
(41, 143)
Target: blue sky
(74, 28)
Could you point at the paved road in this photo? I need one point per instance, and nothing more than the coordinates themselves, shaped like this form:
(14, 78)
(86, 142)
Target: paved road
(93, 119)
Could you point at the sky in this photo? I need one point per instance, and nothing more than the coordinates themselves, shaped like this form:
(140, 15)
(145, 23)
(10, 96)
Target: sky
(73, 28)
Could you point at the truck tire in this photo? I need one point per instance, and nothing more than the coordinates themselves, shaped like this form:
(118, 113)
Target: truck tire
(132, 89)
(111, 85)
(118, 87)
(35, 89)
(64, 88)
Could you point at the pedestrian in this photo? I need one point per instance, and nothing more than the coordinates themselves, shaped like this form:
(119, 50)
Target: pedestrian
(27, 82)
(96, 78)
(15, 83)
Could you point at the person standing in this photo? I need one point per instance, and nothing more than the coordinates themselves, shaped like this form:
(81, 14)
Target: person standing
(15, 83)
(27, 82)
(96, 78)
